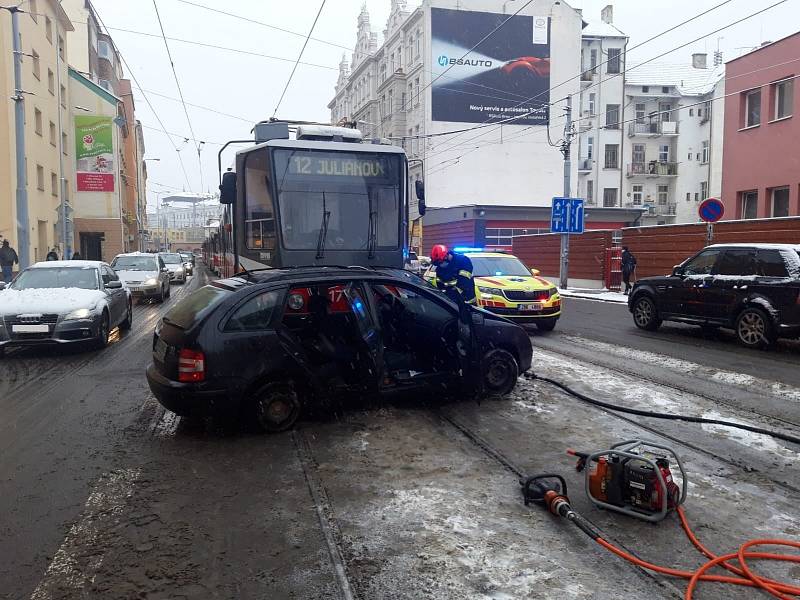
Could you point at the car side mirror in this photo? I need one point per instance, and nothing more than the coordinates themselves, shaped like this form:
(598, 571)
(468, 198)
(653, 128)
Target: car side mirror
(114, 285)
(677, 271)
(419, 188)
(535, 272)
(227, 190)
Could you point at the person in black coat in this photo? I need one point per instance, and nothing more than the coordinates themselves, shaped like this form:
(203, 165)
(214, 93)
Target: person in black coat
(77, 256)
(52, 255)
(628, 268)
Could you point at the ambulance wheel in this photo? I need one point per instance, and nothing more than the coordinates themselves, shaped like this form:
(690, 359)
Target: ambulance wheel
(500, 372)
(546, 324)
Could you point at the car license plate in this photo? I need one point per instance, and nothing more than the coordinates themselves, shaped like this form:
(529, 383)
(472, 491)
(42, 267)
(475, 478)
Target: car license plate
(530, 307)
(160, 352)
(30, 328)
(133, 289)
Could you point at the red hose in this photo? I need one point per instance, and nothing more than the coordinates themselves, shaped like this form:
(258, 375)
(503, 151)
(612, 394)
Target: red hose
(746, 577)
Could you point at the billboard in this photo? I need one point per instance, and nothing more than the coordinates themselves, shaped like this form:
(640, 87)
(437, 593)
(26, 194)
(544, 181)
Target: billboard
(94, 154)
(507, 75)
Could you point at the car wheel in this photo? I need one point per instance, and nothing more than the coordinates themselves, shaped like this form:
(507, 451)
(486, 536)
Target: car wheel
(645, 315)
(161, 295)
(500, 371)
(128, 322)
(276, 407)
(102, 335)
(753, 328)
(546, 324)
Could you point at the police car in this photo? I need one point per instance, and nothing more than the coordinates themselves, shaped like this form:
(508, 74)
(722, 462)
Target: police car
(505, 286)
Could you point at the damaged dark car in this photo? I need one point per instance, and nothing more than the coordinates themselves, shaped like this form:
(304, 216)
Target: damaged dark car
(269, 343)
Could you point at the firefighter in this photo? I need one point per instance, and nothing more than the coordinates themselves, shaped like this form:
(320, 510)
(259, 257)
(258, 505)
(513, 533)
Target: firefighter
(453, 274)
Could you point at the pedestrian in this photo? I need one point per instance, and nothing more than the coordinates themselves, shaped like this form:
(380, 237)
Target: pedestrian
(52, 255)
(8, 258)
(628, 268)
(76, 256)
(453, 274)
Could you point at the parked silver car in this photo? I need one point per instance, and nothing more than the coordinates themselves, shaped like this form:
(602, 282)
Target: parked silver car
(63, 302)
(145, 275)
(174, 262)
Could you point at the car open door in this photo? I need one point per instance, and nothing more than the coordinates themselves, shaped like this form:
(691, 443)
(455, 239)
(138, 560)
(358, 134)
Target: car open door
(470, 353)
(371, 342)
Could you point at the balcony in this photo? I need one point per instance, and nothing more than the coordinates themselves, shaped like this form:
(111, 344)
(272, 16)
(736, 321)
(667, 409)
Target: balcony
(661, 210)
(653, 169)
(587, 75)
(653, 129)
(585, 165)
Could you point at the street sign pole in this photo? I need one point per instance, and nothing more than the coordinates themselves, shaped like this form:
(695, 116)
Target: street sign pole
(709, 233)
(710, 210)
(564, 270)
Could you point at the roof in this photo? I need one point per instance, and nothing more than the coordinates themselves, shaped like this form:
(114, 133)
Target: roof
(758, 245)
(313, 272)
(137, 253)
(765, 45)
(600, 29)
(67, 263)
(688, 80)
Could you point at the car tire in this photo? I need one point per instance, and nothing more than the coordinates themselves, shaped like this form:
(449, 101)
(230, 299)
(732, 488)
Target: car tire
(645, 315)
(102, 336)
(500, 372)
(276, 407)
(546, 324)
(128, 322)
(754, 328)
(161, 295)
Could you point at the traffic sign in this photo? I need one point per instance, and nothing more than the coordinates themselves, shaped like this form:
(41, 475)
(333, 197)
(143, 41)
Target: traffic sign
(566, 215)
(711, 210)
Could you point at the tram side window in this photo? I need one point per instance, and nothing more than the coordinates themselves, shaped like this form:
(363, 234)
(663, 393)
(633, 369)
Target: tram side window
(259, 218)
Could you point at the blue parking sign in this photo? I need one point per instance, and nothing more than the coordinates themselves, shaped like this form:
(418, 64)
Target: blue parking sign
(567, 215)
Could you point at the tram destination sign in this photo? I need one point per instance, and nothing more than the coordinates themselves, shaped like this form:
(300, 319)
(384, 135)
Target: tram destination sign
(316, 164)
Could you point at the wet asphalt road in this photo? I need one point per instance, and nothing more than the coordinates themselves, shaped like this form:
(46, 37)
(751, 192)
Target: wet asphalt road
(103, 494)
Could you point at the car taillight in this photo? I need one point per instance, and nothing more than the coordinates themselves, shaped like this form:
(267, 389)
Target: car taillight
(191, 366)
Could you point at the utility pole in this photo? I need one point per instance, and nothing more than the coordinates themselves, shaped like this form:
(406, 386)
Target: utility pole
(23, 228)
(565, 150)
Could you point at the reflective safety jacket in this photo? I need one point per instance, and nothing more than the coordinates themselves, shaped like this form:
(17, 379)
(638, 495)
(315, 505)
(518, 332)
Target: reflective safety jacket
(454, 276)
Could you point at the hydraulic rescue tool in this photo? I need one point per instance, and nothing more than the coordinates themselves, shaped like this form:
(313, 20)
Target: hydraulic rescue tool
(634, 478)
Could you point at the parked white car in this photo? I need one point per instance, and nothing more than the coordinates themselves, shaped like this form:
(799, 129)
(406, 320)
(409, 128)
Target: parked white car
(174, 262)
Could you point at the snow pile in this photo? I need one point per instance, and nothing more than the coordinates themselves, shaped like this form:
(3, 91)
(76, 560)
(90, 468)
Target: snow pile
(603, 295)
(48, 300)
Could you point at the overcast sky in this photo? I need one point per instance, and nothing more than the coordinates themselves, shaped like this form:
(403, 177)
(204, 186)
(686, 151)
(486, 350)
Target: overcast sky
(247, 87)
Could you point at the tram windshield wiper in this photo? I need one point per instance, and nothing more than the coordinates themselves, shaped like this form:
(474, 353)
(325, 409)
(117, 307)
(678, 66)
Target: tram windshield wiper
(373, 229)
(323, 230)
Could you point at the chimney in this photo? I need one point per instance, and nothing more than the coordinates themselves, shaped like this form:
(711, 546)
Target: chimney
(700, 60)
(607, 15)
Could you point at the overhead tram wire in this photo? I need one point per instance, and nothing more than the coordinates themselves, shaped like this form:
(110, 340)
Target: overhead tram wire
(180, 93)
(616, 75)
(299, 56)
(149, 104)
(201, 107)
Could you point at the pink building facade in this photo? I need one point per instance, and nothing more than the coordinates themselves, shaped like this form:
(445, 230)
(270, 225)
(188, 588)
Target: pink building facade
(761, 153)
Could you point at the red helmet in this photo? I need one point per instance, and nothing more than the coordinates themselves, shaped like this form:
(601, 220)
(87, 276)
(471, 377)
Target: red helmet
(438, 253)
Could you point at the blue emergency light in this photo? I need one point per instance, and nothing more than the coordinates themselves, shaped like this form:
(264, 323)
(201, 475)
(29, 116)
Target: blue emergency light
(464, 249)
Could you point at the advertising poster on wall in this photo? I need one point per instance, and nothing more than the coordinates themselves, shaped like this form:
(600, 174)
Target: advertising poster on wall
(94, 154)
(505, 76)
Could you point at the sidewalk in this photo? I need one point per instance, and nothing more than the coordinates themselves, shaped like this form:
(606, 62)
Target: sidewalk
(590, 294)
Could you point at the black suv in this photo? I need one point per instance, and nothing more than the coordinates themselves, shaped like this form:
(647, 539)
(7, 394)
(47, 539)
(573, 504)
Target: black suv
(271, 341)
(753, 289)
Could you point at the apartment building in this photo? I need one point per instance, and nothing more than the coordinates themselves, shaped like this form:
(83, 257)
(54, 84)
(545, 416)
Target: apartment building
(43, 34)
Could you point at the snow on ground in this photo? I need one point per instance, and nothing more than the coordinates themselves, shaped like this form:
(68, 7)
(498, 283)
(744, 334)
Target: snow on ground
(48, 300)
(587, 294)
(741, 380)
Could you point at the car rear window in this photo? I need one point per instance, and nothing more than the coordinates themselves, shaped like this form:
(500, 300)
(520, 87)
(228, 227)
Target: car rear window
(195, 307)
(771, 264)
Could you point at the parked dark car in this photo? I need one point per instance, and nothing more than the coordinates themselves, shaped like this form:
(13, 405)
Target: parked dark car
(753, 289)
(271, 341)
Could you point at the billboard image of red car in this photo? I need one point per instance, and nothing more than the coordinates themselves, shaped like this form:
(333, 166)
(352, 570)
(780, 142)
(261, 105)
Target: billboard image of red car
(506, 76)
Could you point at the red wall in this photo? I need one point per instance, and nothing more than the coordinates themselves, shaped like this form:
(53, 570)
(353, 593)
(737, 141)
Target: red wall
(459, 233)
(586, 253)
(766, 156)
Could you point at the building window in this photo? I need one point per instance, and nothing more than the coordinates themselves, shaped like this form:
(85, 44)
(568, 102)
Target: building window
(52, 133)
(410, 95)
(645, 89)
(53, 184)
(696, 197)
(780, 202)
(51, 82)
(664, 110)
(417, 43)
(40, 177)
(48, 29)
(665, 89)
(703, 190)
(416, 90)
(104, 50)
(749, 205)
(592, 99)
(105, 84)
(609, 197)
(590, 147)
(663, 153)
(691, 112)
(593, 60)
(35, 64)
(590, 192)
(63, 96)
(612, 156)
(612, 116)
(638, 193)
(663, 194)
(688, 196)
(752, 108)
(784, 96)
(61, 47)
(641, 110)
(704, 152)
(37, 116)
(638, 157)
(34, 10)
(390, 101)
(613, 60)
(63, 143)
(402, 101)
